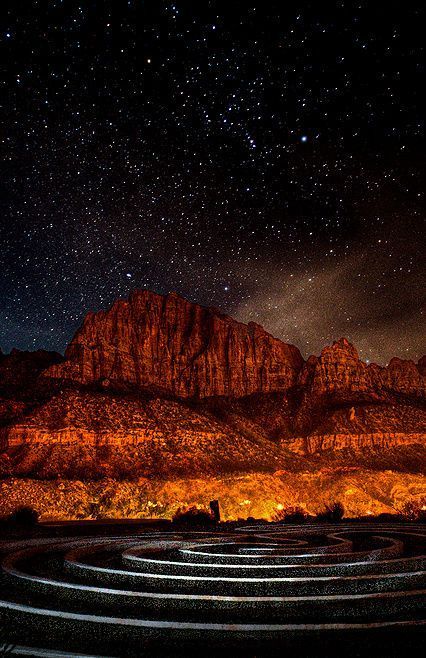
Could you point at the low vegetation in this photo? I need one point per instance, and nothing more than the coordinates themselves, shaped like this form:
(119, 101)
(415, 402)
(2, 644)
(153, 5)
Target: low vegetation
(23, 516)
(258, 495)
(290, 515)
(193, 517)
(332, 514)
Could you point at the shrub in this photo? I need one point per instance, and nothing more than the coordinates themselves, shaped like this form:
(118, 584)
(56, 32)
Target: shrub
(332, 513)
(24, 516)
(290, 515)
(414, 510)
(193, 517)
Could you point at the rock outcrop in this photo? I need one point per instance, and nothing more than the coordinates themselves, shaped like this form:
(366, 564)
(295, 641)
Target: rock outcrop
(185, 349)
(156, 385)
(354, 442)
(339, 373)
(338, 377)
(19, 370)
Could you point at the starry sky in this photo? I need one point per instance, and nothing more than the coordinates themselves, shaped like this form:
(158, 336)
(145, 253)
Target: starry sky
(261, 157)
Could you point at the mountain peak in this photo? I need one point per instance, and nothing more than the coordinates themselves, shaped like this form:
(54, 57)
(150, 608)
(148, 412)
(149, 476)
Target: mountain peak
(186, 349)
(165, 342)
(340, 349)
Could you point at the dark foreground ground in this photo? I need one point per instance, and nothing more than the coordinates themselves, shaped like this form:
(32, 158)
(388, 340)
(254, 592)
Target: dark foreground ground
(136, 589)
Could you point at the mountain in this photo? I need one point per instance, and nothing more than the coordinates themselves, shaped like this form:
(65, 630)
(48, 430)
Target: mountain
(157, 387)
(338, 378)
(175, 346)
(20, 370)
(167, 344)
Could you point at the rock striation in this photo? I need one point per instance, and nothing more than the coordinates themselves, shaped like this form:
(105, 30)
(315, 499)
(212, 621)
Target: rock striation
(157, 385)
(380, 440)
(87, 434)
(185, 349)
(339, 377)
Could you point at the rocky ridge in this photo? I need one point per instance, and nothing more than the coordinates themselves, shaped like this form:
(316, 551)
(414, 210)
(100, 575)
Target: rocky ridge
(175, 346)
(180, 382)
(20, 370)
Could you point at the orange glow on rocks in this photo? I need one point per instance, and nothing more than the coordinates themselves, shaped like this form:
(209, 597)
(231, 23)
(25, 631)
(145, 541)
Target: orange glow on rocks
(254, 494)
(160, 404)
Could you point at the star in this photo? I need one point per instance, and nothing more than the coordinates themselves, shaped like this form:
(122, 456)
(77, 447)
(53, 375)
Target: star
(196, 172)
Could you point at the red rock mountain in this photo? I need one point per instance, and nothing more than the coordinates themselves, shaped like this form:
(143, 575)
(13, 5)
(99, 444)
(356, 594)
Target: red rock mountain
(339, 377)
(339, 373)
(166, 343)
(159, 385)
(182, 348)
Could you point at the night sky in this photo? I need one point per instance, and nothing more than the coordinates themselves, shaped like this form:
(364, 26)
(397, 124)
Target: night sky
(261, 157)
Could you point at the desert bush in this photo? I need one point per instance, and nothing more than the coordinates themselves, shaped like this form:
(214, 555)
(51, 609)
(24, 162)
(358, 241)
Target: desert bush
(387, 517)
(193, 517)
(290, 515)
(332, 514)
(414, 510)
(24, 516)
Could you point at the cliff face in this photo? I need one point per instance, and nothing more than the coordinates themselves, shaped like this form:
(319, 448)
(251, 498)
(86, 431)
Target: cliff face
(354, 442)
(339, 373)
(188, 385)
(338, 377)
(167, 343)
(182, 348)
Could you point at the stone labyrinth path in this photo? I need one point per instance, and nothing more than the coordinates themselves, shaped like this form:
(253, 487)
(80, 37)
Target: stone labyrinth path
(261, 588)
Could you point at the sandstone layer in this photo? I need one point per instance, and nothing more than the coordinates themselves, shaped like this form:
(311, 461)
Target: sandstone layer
(86, 434)
(157, 386)
(175, 346)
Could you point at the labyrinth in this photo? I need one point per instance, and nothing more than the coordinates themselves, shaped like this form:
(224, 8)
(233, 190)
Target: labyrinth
(312, 589)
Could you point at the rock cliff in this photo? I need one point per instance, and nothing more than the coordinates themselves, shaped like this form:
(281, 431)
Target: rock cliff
(354, 442)
(165, 343)
(182, 348)
(159, 384)
(338, 377)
